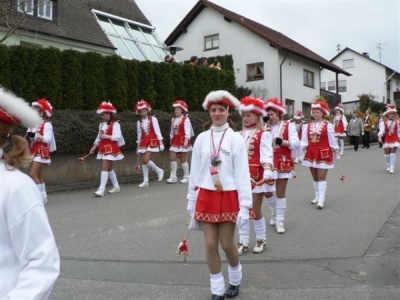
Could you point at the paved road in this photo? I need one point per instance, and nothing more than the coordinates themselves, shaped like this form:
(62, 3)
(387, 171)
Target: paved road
(123, 246)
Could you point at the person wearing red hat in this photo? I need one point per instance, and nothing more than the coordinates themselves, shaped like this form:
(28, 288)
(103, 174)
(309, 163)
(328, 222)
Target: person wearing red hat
(390, 130)
(299, 123)
(29, 260)
(180, 134)
(149, 140)
(260, 156)
(319, 144)
(41, 144)
(108, 141)
(219, 192)
(284, 141)
(340, 126)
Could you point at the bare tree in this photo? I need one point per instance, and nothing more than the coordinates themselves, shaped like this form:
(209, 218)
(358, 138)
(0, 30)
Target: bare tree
(13, 15)
(259, 92)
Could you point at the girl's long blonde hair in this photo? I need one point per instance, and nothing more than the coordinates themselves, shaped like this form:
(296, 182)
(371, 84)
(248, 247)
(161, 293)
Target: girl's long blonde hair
(16, 150)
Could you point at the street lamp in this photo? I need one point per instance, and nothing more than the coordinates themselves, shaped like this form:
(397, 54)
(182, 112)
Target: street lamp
(172, 49)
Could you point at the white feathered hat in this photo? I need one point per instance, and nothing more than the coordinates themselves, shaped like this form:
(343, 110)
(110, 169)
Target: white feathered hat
(15, 110)
(221, 97)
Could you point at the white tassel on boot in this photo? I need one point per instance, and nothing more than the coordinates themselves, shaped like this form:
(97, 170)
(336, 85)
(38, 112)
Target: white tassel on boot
(322, 186)
(172, 175)
(280, 214)
(185, 168)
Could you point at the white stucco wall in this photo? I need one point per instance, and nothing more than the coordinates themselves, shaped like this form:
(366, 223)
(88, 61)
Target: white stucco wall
(247, 48)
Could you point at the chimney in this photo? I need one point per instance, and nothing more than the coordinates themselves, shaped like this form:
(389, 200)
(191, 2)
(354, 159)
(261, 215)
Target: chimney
(365, 54)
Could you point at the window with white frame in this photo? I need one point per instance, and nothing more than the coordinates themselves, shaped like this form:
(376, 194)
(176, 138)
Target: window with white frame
(308, 78)
(211, 42)
(255, 71)
(347, 63)
(342, 86)
(132, 40)
(45, 9)
(26, 6)
(289, 105)
(331, 86)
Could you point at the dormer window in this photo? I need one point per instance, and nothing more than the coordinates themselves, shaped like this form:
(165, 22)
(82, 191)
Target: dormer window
(39, 8)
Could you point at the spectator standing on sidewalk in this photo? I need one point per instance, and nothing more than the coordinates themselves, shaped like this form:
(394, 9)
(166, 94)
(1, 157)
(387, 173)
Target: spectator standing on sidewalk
(180, 134)
(320, 145)
(149, 141)
(219, 191)
(108, 141)
(41, 144)
(355, 129)
(368, 122)
(29, 260)
(260, 156)
(390, 129)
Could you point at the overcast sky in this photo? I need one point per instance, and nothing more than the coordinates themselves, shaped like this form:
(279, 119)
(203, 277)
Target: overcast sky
(319, 25)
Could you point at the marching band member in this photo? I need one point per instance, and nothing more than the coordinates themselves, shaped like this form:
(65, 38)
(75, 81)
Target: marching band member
(260, 156)
(41, 144)
(318, 142)
(390, 129)
(29, 260)
(220, 191)
(180, 134)
(299, 122)
(340, 126)
(149, 140)
(108, 141)
(284, 141)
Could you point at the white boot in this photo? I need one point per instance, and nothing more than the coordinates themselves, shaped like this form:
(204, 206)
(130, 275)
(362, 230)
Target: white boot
(387, 158)
(322, 185)
(217, 284)
(103, 182)
(145, 170)
(172, 176)
(244, 235)
(185, 167)
(261, 235)
(315, 200)
(392, 162)
(341, 142)
(113, 177)
(280, 214)
(159, 171)
(272, 205)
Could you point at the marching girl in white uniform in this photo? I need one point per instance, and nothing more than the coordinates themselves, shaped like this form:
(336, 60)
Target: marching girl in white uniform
(149, 140)
(340, 126)
(41, 144)
(284, 140)
(29, 259)
(220, 191)
(108, 141)
(260, 156)
(180, 134)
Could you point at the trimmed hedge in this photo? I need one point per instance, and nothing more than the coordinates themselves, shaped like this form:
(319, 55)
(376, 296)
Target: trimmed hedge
(75, 80)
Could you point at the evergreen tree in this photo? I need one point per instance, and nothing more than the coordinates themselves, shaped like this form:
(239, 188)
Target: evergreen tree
(72, 80)
(93, 80)
(116, 84)
(190, 83)
(5, 79)
(132, 81)
(146, 81)
(163, 86)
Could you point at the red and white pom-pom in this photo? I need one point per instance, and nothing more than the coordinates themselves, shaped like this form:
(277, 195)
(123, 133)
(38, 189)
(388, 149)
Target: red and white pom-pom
(341, 177)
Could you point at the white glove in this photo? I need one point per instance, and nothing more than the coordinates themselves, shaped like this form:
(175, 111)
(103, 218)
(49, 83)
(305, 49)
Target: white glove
(268, 174)
(190, 207)
(337, 156)
(243, 216)
(162, 147)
